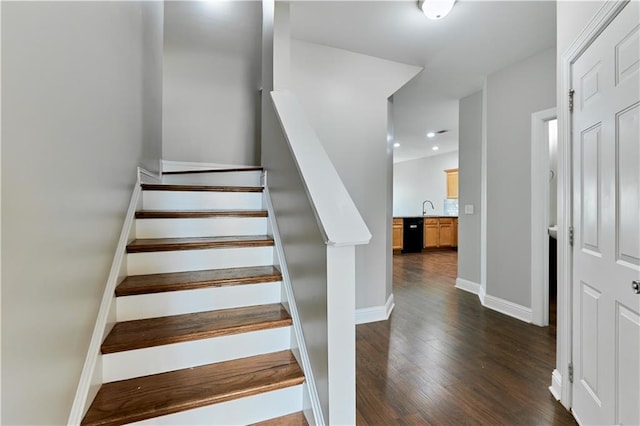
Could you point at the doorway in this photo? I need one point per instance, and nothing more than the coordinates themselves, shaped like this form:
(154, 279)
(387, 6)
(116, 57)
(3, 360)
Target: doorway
(544, 166)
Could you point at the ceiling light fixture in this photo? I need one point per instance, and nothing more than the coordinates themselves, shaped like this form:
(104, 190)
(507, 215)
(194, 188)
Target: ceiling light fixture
(431, 134)
(436, 9)
(396, 145)
(435, 148)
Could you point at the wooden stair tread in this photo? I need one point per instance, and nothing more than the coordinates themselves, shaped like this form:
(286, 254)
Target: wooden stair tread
(226, 170)
(197, 243)
(199, 188)
(146, 397)
(144, 333)
(175, 281)
(295, 419)
(196, 214)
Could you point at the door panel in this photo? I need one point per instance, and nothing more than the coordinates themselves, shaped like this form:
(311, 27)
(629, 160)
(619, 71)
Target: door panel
(628, 367)
(627, 56)
(588, 373)
(628, 225)
(606, 219)
(591, 188)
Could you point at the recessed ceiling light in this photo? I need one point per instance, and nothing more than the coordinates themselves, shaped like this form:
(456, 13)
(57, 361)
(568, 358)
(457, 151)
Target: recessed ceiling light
(435, 148)
(396, 145)
(431, 135)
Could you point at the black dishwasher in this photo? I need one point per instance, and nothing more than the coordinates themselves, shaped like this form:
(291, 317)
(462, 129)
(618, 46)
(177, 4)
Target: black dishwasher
(412, 235)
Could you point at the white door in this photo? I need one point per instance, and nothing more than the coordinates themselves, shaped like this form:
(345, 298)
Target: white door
(606, 220)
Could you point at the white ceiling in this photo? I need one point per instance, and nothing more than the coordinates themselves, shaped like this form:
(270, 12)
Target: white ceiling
(476, 39)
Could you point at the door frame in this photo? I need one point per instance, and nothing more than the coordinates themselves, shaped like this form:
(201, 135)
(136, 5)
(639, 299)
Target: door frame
(560, 388)
(540, 191)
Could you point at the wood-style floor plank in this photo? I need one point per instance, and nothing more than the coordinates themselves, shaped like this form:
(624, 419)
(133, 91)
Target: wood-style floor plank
(146, 397)
(198, 188)
(295, 419)
(197, 214)
(444, 359)
(149, 332)
(158, 283)
(144, 245)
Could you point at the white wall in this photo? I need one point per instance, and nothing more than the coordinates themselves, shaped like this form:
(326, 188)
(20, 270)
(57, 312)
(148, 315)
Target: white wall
(212, 77)
(344, 95)
(572, 17)
(423, 179)
(513, 94)
(469, 187)
(75, 79)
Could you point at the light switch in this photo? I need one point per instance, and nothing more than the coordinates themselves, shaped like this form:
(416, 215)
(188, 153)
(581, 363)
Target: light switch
(468, 209)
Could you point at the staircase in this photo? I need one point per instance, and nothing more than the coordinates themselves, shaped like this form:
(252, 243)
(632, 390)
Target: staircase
(201, 335)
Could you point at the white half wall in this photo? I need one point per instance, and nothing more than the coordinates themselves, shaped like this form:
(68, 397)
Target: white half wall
(76, 78)
(423, 179)
(513, 94)
(344, 95)
(212, 77)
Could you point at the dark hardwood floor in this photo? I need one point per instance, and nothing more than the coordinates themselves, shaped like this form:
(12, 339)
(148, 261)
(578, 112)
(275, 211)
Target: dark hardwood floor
(443, 359)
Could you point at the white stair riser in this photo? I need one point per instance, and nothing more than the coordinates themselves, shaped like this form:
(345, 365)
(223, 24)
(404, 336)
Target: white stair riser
(241, 411)
(217, 179)
(202, 227)
(197, 260)
(200, 300)
(176, 356)
(195, 200)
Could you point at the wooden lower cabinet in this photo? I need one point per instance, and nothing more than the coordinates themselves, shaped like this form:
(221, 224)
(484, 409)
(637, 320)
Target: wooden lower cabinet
(440, 232)
(398, 229)
(431, 238)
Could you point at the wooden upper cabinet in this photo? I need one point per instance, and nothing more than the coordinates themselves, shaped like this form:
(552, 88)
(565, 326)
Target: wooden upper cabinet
(452, 183)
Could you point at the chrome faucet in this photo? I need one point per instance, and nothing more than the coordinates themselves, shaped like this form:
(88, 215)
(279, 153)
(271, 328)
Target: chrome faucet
(424, 211)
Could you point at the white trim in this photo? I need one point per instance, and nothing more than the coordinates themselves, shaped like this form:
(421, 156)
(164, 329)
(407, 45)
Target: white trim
(556, 385)
(311, 387)
(483, 194)
(508, 308)
(592, 30)
(376, 313)
(482, 294)
(467, 285)
(85, 394)
(187, 166)
(540, 215)
(145, 175)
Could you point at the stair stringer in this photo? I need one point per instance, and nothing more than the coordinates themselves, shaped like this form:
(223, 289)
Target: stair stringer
(311, 403)
(91, 375)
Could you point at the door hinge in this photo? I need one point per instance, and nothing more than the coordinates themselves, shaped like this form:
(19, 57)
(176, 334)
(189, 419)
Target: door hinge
(571, 93)
(571, 372)
(571, 235)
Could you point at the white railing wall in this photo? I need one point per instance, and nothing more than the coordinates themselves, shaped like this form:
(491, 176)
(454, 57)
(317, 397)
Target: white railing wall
(319, 226)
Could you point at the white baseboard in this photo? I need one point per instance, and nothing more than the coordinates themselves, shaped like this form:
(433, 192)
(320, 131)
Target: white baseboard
(146, 176)
(482, 294)
(376, 313)
(186, 166)
(508, 308)
(467, 285)
(556, 385)
(87, 390)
